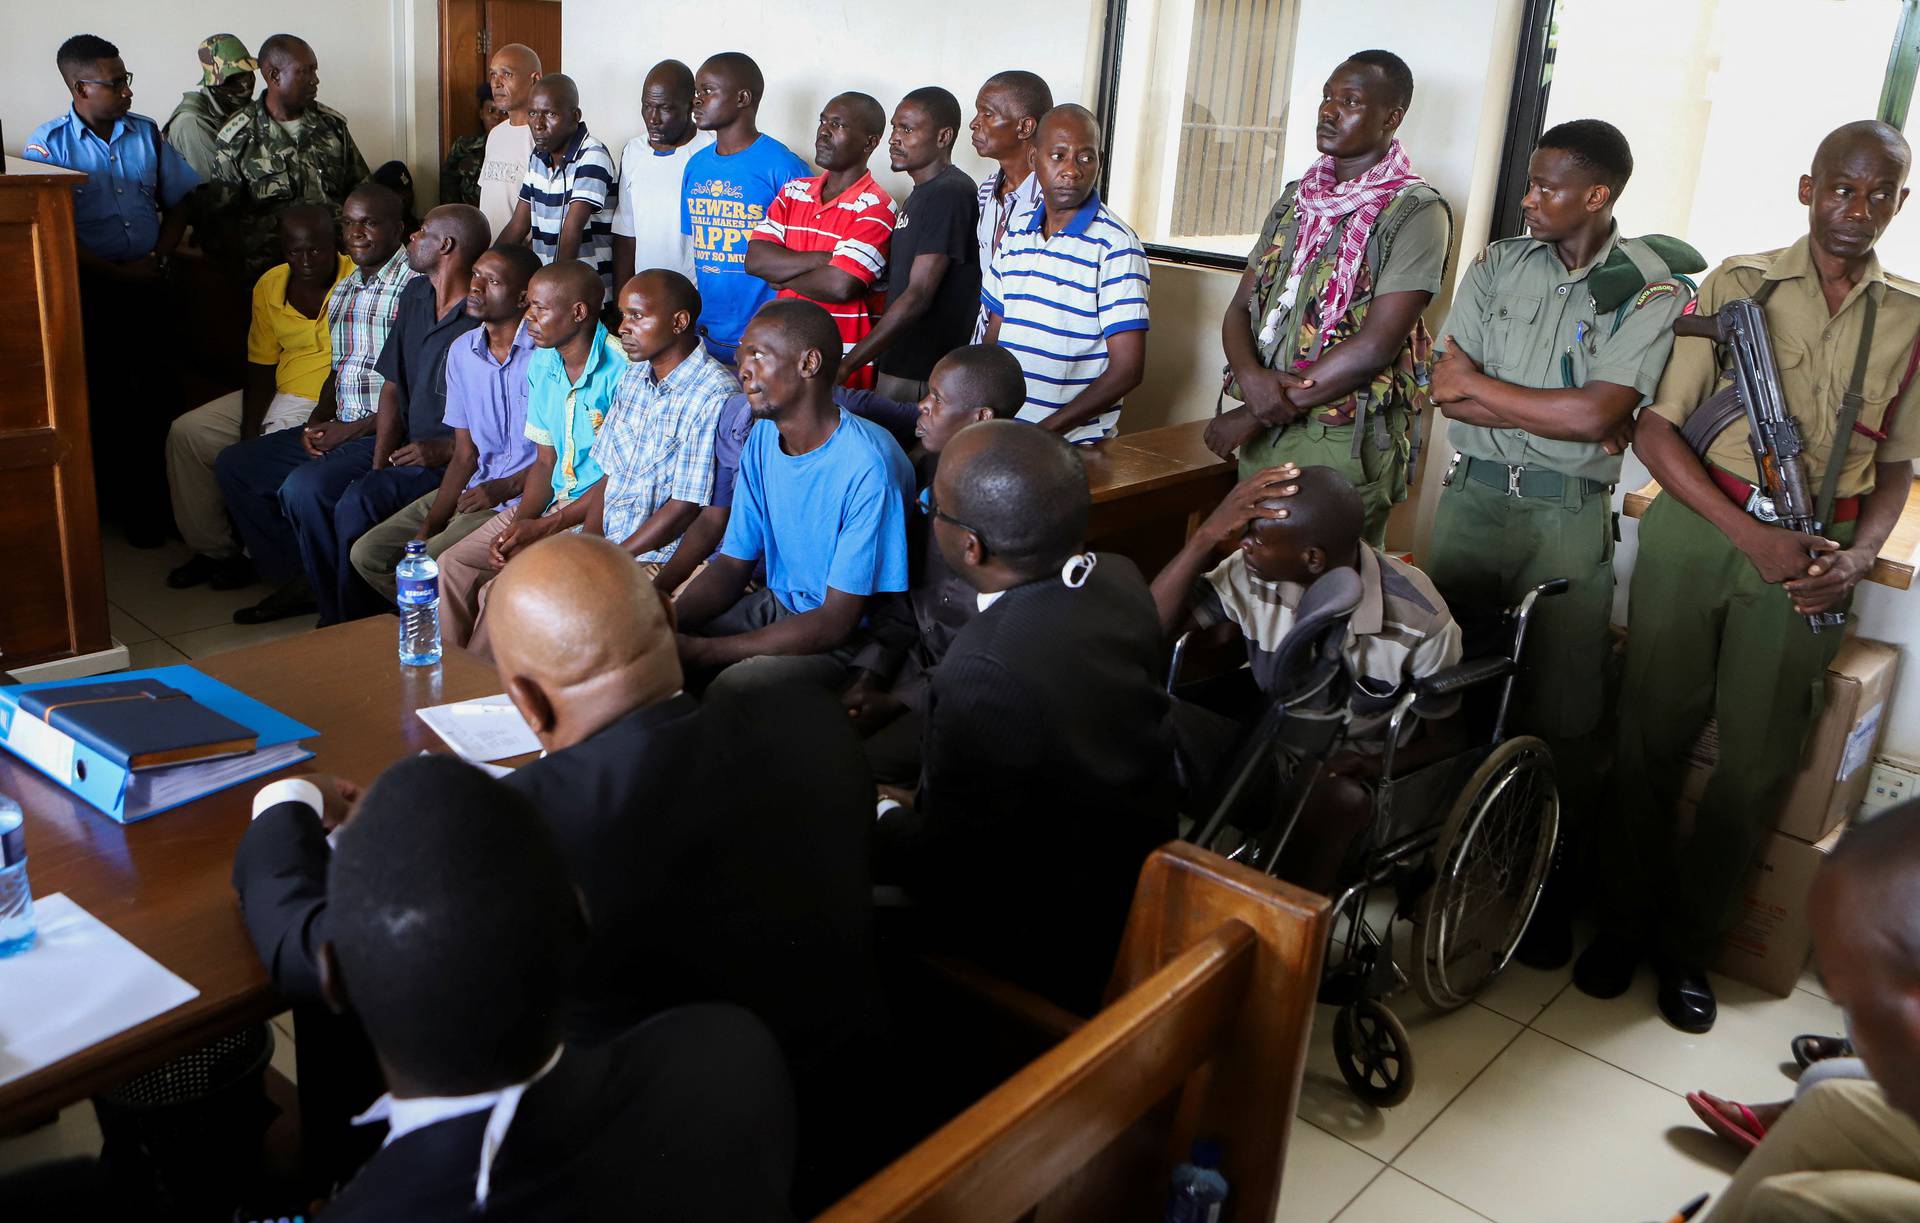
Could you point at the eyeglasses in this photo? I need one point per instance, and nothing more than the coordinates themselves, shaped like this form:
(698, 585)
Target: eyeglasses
(933, 507)
(124, 81)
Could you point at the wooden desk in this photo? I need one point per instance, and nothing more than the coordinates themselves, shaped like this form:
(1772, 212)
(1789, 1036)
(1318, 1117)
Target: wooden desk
(163, 883)
(1897, 560)
(1150, 490)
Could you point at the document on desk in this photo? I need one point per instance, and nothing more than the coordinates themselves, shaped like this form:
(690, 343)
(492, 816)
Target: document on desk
(483, 730)
(79, 984)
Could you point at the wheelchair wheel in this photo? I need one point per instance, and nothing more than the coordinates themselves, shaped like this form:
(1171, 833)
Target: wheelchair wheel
(1376, 1059)
(1489, 865)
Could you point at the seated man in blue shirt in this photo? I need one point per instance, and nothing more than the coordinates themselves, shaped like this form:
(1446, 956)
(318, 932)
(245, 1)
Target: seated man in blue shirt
(821, 498)
(128, 216)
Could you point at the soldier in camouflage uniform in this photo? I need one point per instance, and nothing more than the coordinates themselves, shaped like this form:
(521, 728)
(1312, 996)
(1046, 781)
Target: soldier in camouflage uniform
(284, 148)
(226, 85)
(460, 173)
(1323, 338)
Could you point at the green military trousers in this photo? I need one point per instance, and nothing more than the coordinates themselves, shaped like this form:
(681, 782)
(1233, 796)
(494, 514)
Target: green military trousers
(1705, 636)
(1379, 474)
(1489, 549)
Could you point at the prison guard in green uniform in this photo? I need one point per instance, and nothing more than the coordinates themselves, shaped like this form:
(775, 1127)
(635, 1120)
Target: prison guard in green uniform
(1707, 636)
(1518, 509)
(1406, 253)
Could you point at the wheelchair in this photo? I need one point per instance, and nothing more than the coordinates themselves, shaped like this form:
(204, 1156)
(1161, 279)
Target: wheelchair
(1460, 844)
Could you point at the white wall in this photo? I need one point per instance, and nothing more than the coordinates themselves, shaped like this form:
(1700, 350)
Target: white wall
(378, 62)
(811, 50)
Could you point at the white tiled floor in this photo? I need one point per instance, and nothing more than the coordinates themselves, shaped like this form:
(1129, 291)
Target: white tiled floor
(1535, 1104)
(161, 627)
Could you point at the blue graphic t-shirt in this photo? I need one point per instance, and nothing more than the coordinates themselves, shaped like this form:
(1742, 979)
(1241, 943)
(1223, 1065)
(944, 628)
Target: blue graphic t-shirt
(725, 197)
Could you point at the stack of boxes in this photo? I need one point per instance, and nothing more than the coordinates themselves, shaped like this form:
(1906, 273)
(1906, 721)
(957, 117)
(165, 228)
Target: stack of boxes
(1769, 943)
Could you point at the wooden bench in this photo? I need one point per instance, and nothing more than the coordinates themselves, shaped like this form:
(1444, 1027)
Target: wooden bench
(1150, 490)
(1204, 1036)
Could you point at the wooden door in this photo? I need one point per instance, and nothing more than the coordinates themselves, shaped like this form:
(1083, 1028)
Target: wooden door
(53, 602)
(469, 31)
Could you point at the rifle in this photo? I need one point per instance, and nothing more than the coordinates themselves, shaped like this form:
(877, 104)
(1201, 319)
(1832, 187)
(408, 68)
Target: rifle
(1781, 493)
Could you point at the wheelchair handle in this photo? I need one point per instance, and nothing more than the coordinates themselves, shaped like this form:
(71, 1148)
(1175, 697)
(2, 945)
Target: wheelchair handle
(1550, 587)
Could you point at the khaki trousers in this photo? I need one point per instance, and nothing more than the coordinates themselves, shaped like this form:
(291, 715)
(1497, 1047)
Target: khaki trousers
(466, 571)
(1841, 1153)
(376, 553)
(194, 441)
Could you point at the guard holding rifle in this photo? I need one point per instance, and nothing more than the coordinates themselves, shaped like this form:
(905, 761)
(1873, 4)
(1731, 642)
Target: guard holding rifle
(1722, 591)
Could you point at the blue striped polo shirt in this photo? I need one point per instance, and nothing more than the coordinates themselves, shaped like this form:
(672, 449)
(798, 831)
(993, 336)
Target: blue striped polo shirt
(582, 171)
(1059, 299)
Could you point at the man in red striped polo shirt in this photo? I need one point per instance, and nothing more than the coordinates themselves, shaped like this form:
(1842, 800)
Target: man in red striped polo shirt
(825, 238)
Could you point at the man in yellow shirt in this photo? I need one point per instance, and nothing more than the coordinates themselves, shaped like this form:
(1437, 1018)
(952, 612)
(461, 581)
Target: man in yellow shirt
(289, 355)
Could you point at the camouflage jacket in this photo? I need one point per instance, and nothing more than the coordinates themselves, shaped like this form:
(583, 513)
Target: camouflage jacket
(261, 171)
(460, 173)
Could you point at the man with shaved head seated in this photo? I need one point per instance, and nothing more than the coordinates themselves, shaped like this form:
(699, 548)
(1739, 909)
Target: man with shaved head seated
(703, 880)
(571, 383)
(1048, 763)
(1720, 597)
(1287, 526)
(820, 500)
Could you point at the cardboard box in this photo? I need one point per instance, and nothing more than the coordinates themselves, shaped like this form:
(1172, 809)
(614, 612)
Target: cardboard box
(1769, 943)
(1834, 765)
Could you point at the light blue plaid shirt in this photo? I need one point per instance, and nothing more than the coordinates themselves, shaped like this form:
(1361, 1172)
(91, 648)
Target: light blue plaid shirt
(360, 313)
(656, 444)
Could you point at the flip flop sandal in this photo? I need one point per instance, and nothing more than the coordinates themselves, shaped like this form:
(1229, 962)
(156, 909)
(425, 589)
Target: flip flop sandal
(1810, 1049)
(1744, 1131)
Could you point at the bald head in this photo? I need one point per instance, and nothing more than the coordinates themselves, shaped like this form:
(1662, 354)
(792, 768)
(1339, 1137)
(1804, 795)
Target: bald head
(739, 71)
(379, 199)
(669, 291)
(560, 91)
(1022, 489)
(797, 326)
(305, 218)
(281, 49)
(511, 73)
(1869, 137)
(1326, 513)
(570, 282)
(671, 75)
(983, 376)
(580, 634)
(463, 225)
(1070, 119)
(866, 109)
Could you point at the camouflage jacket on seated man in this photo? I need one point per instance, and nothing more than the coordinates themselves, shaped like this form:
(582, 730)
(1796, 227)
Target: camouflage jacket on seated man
(262, 165)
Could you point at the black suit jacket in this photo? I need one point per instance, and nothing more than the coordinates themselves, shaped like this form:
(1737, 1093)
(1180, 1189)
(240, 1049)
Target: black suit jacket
(687, 1117)
(1047, 778)
(722, 852)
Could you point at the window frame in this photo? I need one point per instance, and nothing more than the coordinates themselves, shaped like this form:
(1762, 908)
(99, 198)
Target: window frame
(1527, 107)
(1112, 47)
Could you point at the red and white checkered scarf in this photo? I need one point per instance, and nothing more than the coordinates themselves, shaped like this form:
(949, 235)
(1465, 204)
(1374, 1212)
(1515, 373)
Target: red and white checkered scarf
(1322, 200)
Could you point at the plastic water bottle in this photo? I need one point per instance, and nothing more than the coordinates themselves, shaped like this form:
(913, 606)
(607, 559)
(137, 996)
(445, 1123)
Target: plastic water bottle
(1199, 1191)
(419, 599)
(16, 901)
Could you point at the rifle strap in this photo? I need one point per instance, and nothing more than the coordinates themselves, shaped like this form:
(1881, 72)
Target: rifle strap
(1850, 404)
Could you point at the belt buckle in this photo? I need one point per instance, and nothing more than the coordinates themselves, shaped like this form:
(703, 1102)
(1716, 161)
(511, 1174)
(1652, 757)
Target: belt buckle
(1761, 507)
(1446, 481)
(1513, 480)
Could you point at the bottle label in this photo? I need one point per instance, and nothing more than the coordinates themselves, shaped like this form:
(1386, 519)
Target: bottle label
(419, 590)
(13, 846)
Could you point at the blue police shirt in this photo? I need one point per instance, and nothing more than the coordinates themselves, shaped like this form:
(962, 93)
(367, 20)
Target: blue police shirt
(115, 216)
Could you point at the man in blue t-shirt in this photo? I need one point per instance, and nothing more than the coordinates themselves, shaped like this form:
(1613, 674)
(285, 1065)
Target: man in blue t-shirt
(727, 188)
(821, 499)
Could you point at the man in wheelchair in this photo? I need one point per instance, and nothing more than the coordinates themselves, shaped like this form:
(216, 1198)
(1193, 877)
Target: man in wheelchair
(1289, 526)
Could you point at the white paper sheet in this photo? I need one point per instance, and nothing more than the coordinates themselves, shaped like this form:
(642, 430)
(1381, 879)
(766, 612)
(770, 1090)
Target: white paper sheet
(487, 729)
(79, 984)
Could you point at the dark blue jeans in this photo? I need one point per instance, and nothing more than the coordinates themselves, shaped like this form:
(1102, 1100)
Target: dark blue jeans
(285, 504)
(362, 506)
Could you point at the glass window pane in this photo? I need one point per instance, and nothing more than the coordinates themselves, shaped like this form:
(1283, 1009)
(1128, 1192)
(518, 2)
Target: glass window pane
(1723, 109)
(1200, 125)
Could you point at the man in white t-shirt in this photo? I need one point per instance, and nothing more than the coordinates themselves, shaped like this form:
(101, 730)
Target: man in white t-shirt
(646, 224)
(511, 74)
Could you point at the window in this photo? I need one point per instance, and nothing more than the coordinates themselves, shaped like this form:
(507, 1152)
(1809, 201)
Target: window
(1723, 109)
(1195, 100)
